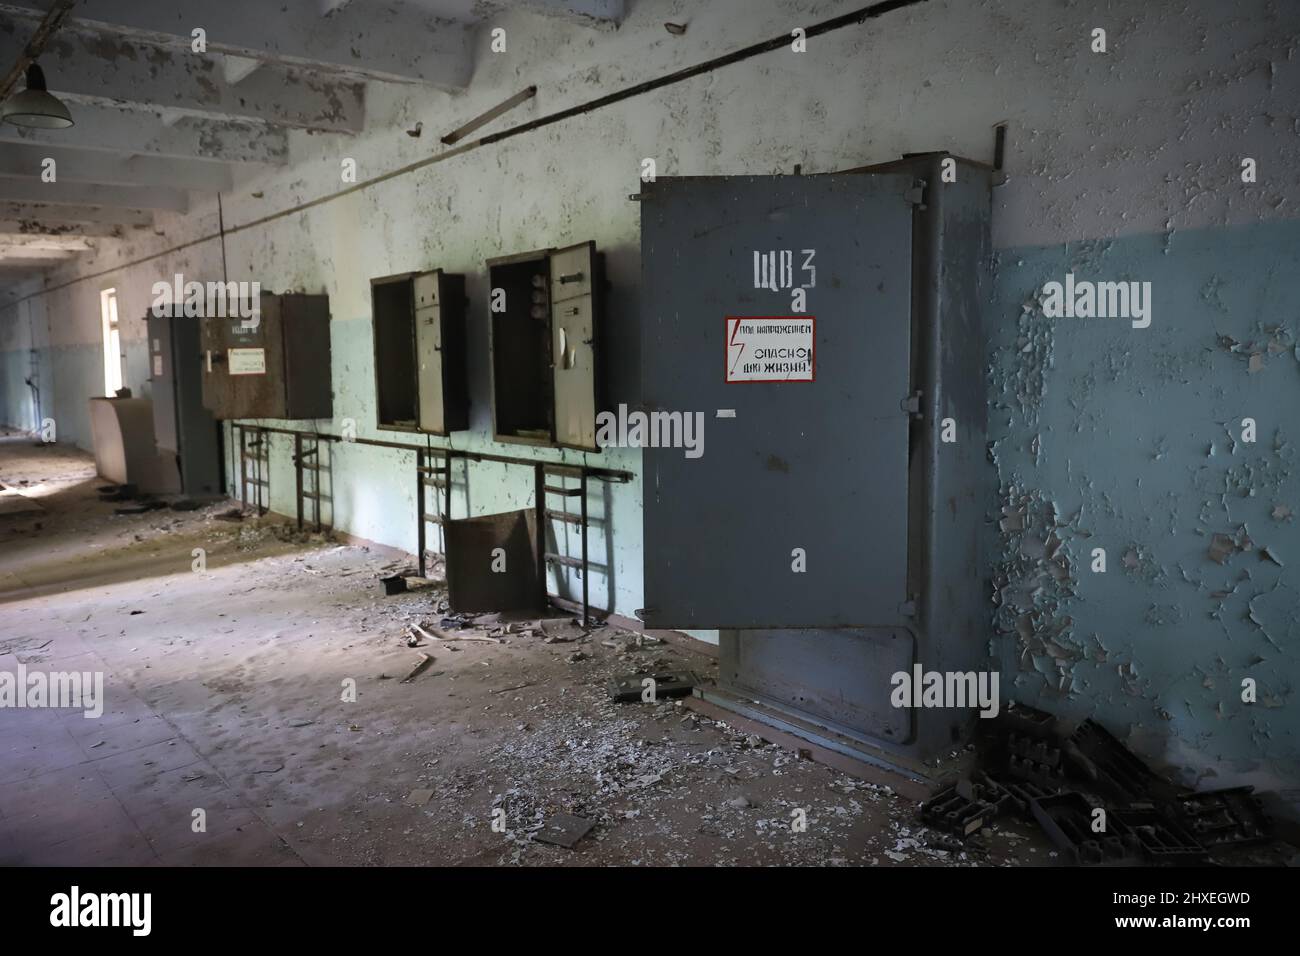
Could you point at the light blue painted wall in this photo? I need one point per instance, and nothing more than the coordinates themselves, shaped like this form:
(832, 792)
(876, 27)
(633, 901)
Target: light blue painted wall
(1140, 453)
(22, 356)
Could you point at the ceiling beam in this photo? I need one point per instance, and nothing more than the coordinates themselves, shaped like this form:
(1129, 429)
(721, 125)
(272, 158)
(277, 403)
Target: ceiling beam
(389, 40)
(105, 69)
(120, 130)
(52, 213)
(36, 228)
(89, 194)
(80, 166)
(28, 254)
(56, 243)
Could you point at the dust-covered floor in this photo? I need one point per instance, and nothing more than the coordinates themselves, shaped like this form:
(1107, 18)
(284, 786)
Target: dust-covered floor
(225, 705)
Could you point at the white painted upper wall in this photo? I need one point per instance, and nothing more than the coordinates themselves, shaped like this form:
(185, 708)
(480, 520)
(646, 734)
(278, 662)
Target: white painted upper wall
(1146, 137)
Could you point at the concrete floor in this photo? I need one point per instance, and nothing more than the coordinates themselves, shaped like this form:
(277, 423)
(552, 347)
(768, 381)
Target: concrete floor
(224, 694)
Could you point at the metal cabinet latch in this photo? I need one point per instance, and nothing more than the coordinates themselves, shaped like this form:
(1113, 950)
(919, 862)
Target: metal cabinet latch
(912, 405)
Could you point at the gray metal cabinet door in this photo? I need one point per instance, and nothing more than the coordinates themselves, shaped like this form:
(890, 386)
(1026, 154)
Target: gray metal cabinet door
(811, 471)
(162, 383)
(573, 336)
(428, 350)
(216, 393)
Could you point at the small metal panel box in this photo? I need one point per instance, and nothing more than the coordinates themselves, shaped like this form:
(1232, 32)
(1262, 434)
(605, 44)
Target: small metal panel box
(421, 384)
(546, 368)
(826, 326)
(274, 366)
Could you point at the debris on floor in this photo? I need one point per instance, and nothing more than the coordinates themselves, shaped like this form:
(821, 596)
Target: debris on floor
(1092, 797)
(651, 687)
(240, 668)
(117, 492)
(144, 506)
(424, 661)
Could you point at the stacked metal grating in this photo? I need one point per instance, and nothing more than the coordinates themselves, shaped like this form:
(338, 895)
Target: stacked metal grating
(1096, 801)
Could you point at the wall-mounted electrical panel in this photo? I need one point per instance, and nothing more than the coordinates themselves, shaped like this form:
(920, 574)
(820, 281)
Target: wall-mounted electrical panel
(837, 318)
(420, 374)
(185, 431)
(275, 364)
(546, 371)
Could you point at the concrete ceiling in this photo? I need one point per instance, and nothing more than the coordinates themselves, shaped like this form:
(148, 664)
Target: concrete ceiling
(156, 122)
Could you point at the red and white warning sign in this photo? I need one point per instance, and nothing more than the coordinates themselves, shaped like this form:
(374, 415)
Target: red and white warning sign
(771, 349)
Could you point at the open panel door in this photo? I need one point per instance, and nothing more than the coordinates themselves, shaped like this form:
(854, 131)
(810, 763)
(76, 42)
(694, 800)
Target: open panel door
(805, 451)
(429, 352)
(574, 287)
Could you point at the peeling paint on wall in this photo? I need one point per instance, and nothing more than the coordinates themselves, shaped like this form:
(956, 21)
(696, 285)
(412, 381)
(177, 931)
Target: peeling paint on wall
(1133, 441)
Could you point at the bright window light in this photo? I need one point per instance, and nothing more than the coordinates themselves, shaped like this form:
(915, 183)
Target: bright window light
(112, 342)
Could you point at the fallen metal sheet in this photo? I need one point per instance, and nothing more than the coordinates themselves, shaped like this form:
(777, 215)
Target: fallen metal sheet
(564, 830)
(473, 581)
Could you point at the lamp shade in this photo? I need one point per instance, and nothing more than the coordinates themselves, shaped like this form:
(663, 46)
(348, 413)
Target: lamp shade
(35, 106)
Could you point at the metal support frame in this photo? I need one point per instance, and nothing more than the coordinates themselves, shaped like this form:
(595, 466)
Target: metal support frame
(259, 455)
(544, 513)
(307, 460)
(441, 479)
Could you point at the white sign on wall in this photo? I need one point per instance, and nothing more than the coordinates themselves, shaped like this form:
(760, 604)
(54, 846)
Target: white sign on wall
(246, 361)
(771, 349)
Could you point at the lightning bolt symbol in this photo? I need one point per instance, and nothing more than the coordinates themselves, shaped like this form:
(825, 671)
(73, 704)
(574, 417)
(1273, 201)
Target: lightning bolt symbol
(732, 343)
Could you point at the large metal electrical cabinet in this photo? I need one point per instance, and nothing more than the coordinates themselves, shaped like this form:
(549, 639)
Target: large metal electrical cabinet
(546, 379)
(186, 434)
(826, 326)
(274, 366)
(419, 329)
